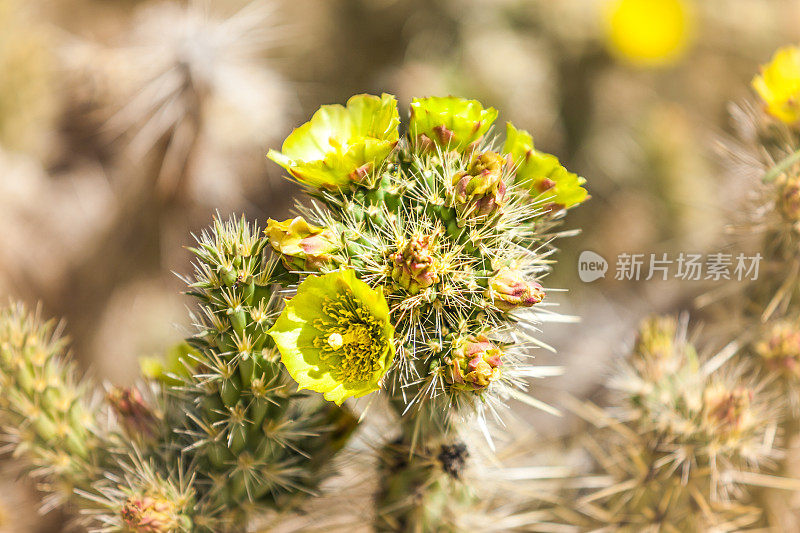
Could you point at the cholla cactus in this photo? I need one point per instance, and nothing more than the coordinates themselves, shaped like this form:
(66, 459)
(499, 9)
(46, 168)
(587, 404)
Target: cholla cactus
(53, 425)
(768, 150)
(440, 223)
(250, 437)
(419, 274)
(415, 274)
(232, 421)
(695, 445)
(769, 143)
(693, 433)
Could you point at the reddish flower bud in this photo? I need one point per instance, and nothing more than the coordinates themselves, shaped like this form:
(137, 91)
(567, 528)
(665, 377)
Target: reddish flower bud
(415, 266)
(509, 289)
(144, 514)
(474, 363)
(301, 245)
(726, 410)
(479, 191)
(133, 413)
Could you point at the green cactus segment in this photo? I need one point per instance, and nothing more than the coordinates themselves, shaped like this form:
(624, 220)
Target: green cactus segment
(542, 173)
(341, 145)
(450, 123)
(53, 418)
(250, 432)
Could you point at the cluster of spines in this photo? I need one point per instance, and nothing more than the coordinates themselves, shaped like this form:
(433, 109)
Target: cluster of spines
(243, 438)
(249, 437)
(769, 306)
(144, 496)
(74, 445)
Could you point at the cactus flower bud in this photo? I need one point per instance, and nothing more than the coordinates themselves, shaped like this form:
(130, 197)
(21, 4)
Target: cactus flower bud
(726, 410)
(780, 349)
(655, 353)
(479, 191)
(474, 363)
(509, 290)
(414, 265)
(145, 514)
(301, 245)
(132, 411)
(656, 337)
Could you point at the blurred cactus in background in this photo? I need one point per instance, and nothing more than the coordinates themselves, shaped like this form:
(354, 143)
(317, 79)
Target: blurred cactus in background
(685, 440)
(161, 120)
(51, 415)
(27, 63)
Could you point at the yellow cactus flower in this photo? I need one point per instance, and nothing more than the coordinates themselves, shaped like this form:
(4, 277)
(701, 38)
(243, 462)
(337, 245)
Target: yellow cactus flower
(542, 173)
(779, 85)
(340, 145)
(335, 336)
(648, 32)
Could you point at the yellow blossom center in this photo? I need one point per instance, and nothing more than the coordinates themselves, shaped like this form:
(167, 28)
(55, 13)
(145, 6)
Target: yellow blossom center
(352, 342)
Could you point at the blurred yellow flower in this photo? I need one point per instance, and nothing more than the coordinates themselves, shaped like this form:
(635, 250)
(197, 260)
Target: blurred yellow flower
(779, 85)
(648, 32)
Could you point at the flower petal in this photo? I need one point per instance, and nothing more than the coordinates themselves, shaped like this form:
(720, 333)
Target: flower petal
(542, 173)
(328, 151)
(452, 123)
